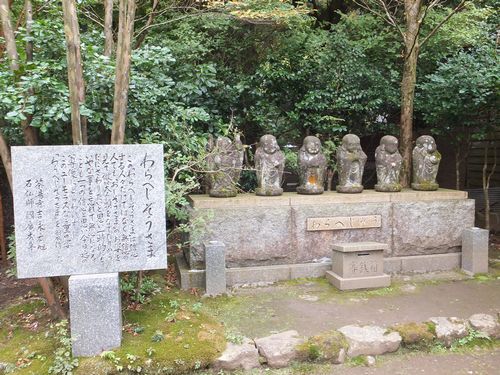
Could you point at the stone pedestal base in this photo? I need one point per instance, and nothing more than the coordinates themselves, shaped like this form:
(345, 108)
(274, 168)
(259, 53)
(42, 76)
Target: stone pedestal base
(475, 250)
(388, 188)
(95, 313)
(351, 189)
(431, 186)
(268, 191)
(358, 282)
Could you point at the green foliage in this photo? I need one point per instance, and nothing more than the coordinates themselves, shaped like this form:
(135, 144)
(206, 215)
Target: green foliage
(129, 284)
(11, 254)
(64, 363)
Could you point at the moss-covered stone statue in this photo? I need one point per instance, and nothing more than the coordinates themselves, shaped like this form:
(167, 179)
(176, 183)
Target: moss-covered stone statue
(426, 160)
(224, 161)
(269, 163)
(350, 163)
(388, 162)
(312, 167)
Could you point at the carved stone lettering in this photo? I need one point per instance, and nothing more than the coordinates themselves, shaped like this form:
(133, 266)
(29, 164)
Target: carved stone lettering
(89, 209)
(344, 222)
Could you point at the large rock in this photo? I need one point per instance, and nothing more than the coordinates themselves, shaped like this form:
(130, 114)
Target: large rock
(329, 347)
(486, 324)
(238, 356)
(279, 349)
(449, 329)
(370, 340)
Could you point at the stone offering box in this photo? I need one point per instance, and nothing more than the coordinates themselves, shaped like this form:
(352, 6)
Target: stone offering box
(358, 265)
(90, 212)
(292, 236)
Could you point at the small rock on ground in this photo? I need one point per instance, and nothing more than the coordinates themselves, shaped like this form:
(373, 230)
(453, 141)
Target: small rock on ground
(370, 361)
(279, 349)
(449, 329)
(238, 356)
(485, 324)
(370, 340)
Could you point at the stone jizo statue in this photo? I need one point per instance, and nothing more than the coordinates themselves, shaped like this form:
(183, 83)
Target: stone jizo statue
(225, 160)
(350, 163)
(312, 167)
(426, 160)
(269, 163)
(388, 162)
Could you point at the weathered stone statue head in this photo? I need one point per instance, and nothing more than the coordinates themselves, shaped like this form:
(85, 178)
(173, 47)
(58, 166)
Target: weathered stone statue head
(426, 160)
(350, 163)
(224, 162)
(269, 165)
(312, 167)
(388, 162)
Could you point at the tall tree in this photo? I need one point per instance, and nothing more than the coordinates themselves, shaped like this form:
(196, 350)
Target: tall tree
(75, 72)
(108, 27)
(407, 17)
(122, 72)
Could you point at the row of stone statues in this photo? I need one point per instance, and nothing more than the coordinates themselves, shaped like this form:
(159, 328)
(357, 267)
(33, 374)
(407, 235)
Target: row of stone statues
(225, 161)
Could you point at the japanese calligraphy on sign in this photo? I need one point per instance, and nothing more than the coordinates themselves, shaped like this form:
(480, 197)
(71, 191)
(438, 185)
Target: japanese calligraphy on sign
(344, 222)
(89, 209)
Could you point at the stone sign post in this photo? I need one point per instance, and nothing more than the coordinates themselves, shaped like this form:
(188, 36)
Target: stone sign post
(89, 212)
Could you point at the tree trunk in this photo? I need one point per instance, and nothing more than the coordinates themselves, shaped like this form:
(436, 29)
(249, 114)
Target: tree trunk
(5, 155)
(123, 58)
(30, 133)
(457, 166)
(412, 11)
(3, 243)
(8, 34)
(486, 182)
(108, 27)
(75, 72)
(52, 298)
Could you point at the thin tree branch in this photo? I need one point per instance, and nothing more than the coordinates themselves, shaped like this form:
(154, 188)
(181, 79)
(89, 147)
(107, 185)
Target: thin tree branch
(389, 20)
(454, 11)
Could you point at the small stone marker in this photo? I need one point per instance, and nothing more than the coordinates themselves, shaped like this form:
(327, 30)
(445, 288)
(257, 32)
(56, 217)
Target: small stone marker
(96, 314)
(358, 265)
(475, 250)
(215, 264)
(89, 210)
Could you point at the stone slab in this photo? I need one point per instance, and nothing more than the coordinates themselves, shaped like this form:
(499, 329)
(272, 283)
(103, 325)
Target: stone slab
(88, 209)
(359, 246)
(344, 222)
(243, 356)
(430, 263)
(430, 227)
(193, 278)
(95, 313)
(279, 349)
(215, 270)
(370, 340)
(475, 243)
(341, 283)
(328, 197)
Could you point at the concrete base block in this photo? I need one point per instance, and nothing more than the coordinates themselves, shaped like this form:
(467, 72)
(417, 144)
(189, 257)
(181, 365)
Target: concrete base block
(215, 268)
(244, 275)
(95, 313)
(430, 263)
(358, 282)
(475, 243)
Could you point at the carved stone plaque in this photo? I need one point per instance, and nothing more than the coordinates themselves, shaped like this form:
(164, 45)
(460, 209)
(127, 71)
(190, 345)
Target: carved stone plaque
(344, 222)
(89, 209)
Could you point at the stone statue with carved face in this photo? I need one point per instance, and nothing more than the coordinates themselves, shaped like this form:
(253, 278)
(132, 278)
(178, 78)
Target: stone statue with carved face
(388, 162)
(224, 161)
(426, 160)
(350, 163)
(269, 164)
(312, 167)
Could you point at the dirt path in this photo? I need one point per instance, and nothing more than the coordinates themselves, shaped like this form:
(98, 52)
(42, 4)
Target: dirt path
(475, 363)
(314, 306)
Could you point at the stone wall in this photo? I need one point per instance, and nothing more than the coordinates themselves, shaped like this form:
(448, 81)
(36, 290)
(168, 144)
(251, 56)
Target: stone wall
(263, 231)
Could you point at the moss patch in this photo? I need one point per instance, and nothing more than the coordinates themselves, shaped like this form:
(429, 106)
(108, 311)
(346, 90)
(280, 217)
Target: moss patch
(323, 348)
(416, 335)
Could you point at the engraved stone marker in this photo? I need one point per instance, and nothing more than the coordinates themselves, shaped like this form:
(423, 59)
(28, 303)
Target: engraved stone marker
(87, 210)
(343, 222)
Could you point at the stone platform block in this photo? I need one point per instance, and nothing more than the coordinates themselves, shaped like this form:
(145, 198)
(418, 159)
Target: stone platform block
(95, 313)
(475, 242)
(358, 282)
(271, 231)
(215, 272)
